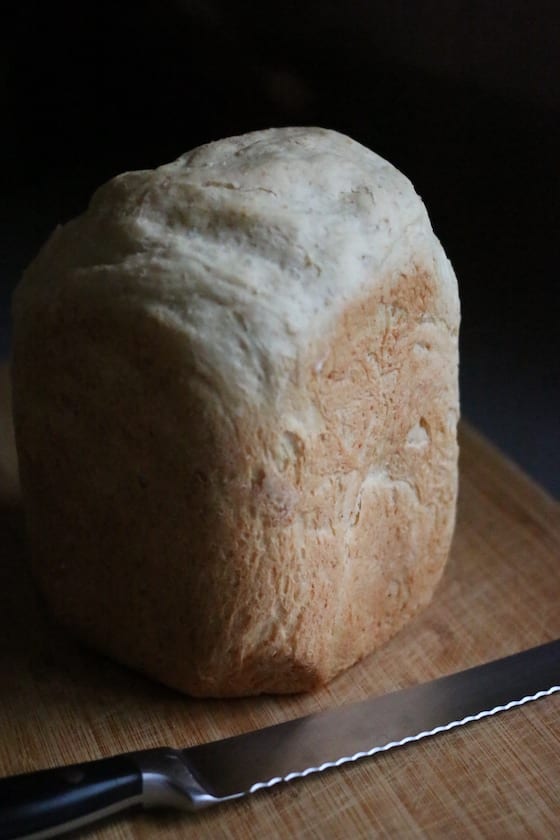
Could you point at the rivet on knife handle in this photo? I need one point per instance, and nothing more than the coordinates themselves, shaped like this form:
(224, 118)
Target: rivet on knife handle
(50, 802)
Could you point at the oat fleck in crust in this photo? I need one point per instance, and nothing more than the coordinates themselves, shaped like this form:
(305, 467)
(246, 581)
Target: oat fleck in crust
(235, 395)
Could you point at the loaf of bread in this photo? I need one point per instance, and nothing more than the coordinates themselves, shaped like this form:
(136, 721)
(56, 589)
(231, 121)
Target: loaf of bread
(235, 401)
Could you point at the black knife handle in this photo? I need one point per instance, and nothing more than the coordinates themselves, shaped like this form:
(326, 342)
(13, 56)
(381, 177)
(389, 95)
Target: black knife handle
(50, 802)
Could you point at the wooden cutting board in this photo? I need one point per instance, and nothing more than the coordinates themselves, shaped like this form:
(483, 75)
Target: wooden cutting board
(497, 778)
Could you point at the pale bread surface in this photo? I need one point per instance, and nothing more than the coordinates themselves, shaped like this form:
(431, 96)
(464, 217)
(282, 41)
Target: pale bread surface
(236, 399)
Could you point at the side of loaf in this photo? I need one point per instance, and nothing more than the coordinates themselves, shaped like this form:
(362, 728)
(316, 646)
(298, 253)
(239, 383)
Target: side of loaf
(235, 402)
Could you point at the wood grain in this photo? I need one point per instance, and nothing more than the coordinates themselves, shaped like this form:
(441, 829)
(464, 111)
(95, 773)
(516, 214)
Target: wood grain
(498, 778)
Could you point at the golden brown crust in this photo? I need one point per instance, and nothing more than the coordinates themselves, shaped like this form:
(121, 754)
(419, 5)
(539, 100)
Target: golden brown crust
(228, 556)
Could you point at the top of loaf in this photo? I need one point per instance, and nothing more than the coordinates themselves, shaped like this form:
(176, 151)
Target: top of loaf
(246, 246)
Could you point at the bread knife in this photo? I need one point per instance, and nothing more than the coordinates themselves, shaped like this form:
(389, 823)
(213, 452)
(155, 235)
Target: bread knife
(50, 802)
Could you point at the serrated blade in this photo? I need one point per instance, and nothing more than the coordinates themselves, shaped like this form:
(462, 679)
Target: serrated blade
(246, 763)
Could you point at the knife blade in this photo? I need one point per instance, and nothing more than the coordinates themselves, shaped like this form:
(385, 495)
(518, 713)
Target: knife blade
(50, 802)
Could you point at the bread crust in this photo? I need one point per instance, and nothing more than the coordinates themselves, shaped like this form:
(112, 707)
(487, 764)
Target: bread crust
(243, 499)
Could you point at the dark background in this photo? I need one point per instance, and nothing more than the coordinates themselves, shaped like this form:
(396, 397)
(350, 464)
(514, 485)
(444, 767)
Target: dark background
(464, 97)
